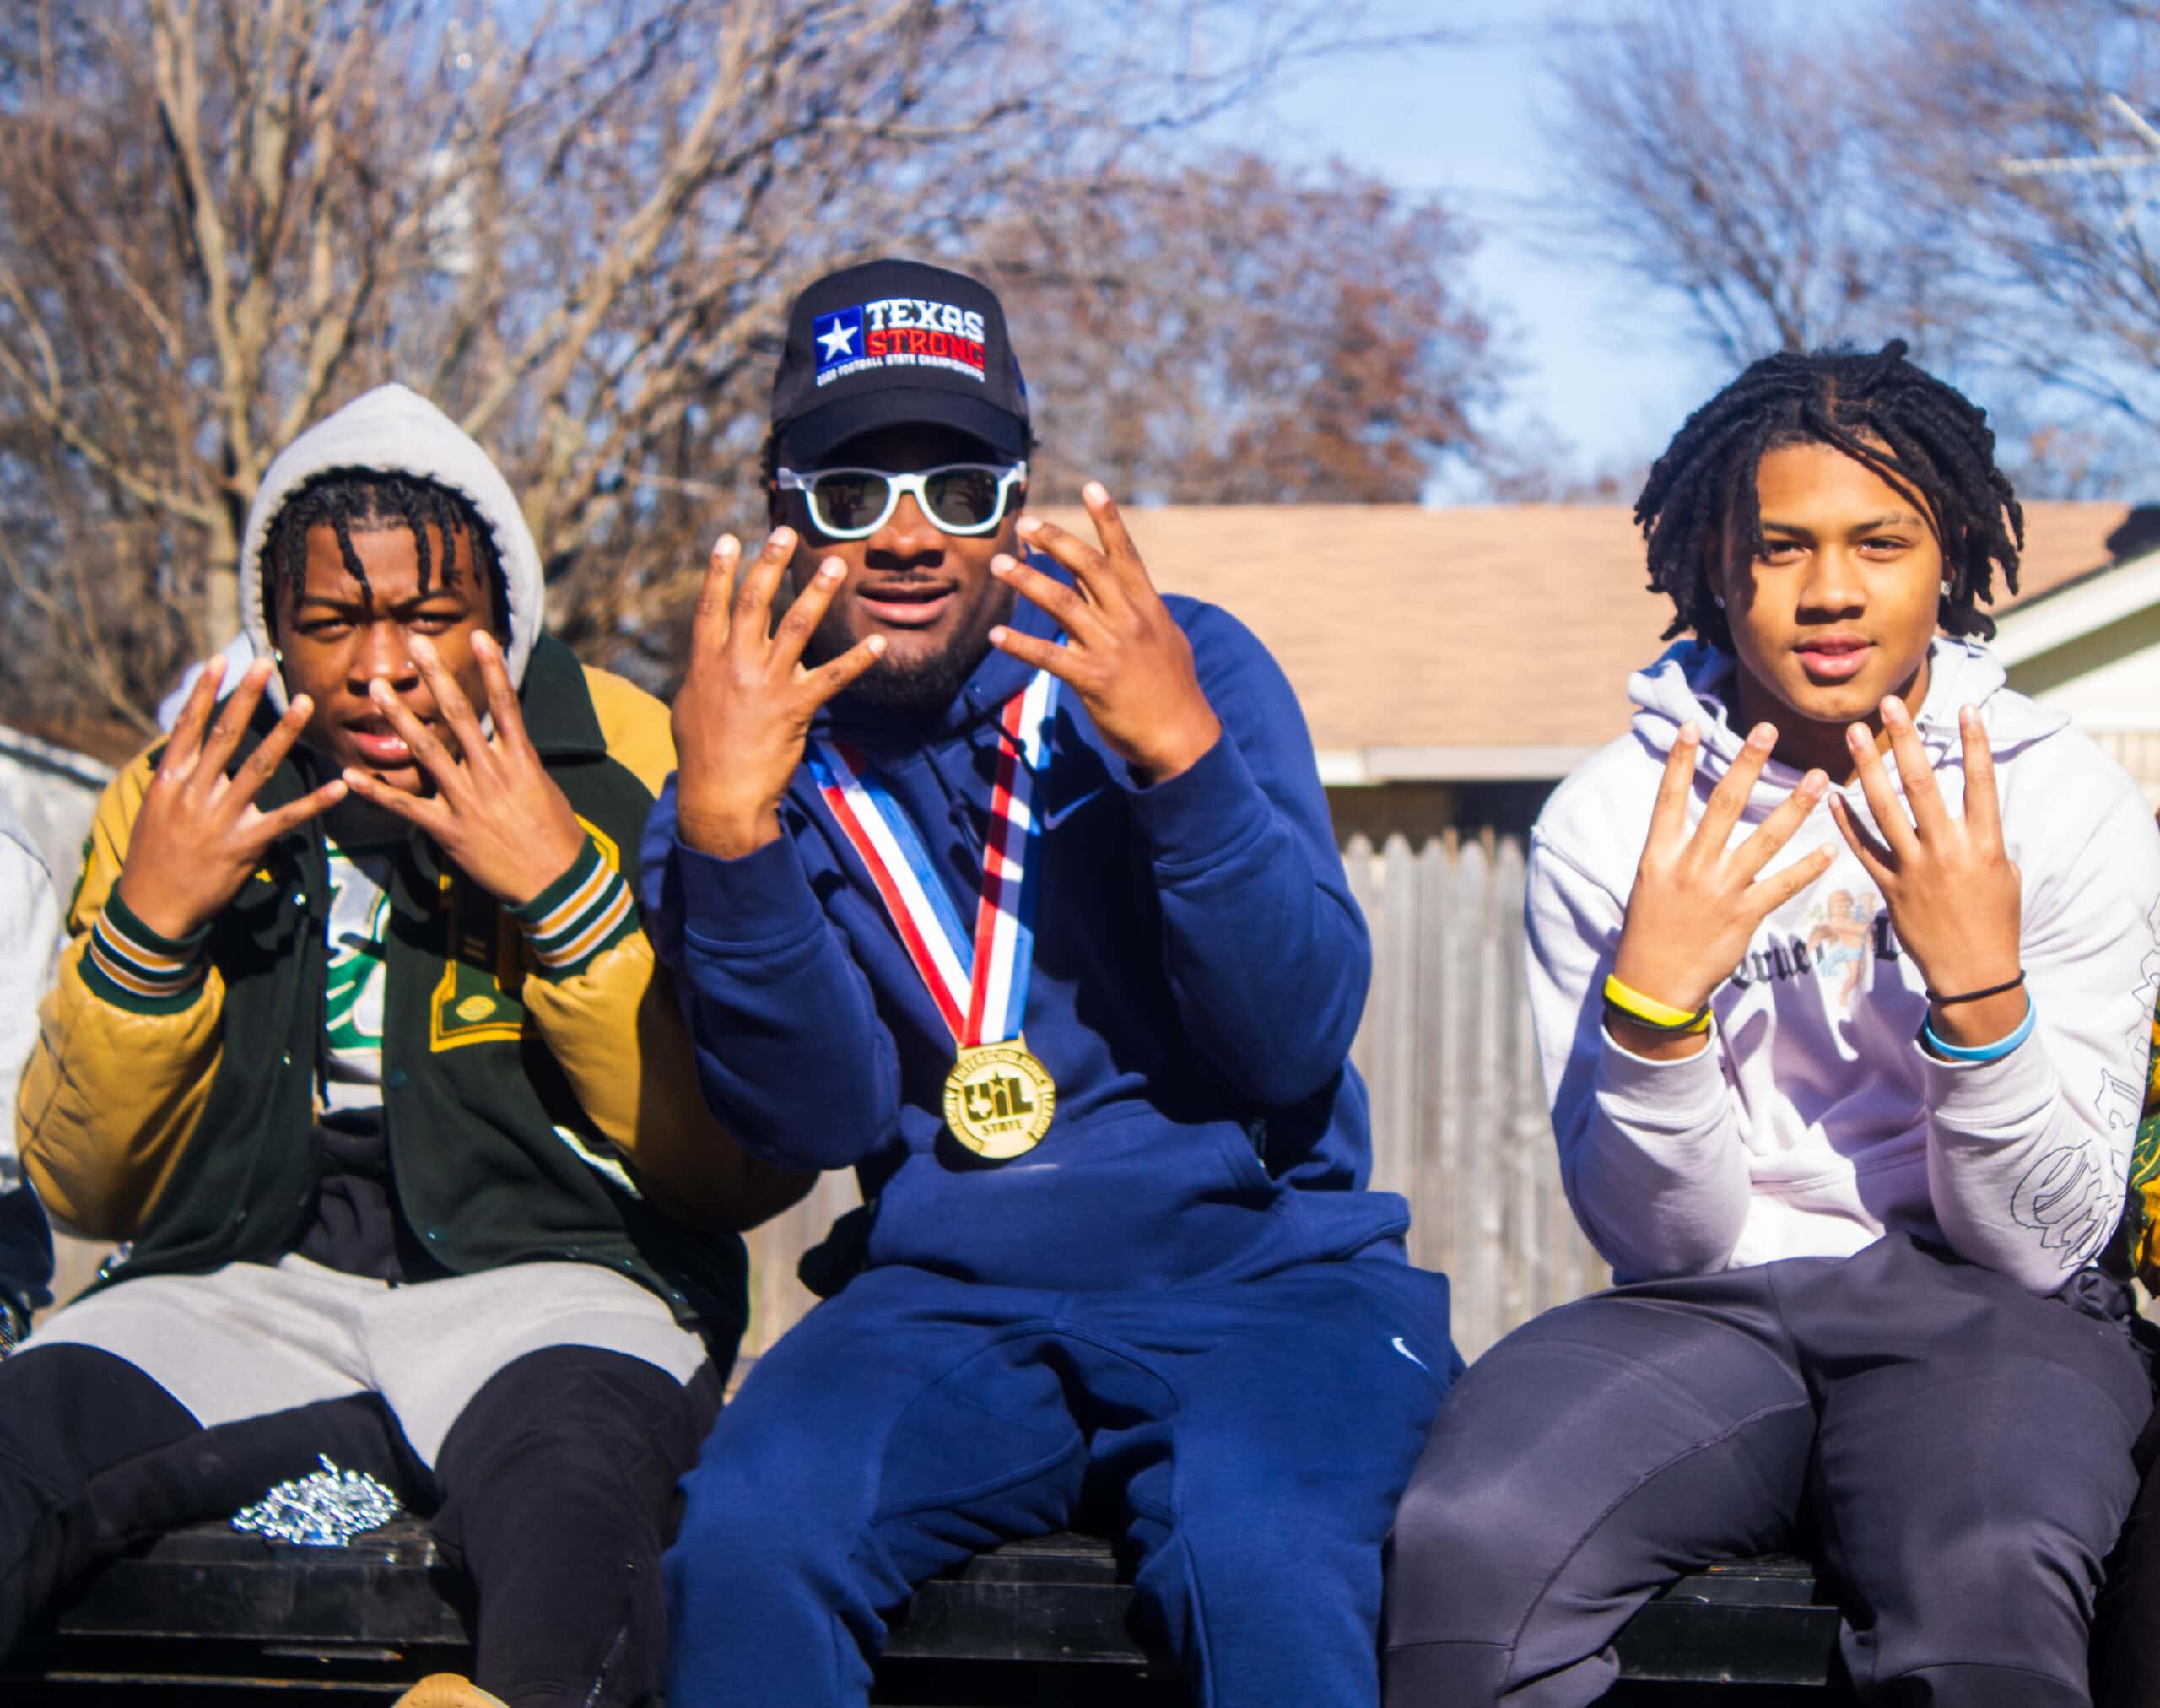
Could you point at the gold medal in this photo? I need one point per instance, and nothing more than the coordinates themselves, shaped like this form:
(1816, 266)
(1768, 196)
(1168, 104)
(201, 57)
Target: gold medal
(999, 1099)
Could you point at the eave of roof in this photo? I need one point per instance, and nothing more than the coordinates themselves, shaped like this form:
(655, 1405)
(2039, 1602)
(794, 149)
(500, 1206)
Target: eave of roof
(2077, 607)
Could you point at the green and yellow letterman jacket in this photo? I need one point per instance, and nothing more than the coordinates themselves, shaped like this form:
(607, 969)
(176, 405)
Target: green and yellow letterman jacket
(539, 1095)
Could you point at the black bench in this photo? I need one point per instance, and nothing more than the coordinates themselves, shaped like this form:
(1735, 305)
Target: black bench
(211, 1616)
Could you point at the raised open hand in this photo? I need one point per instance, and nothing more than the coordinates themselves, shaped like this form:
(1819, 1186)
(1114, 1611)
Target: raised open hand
(744, 710)
(1954, 895)
(1697, 902)
(200, 834)
(495, 811)
(1124, 655)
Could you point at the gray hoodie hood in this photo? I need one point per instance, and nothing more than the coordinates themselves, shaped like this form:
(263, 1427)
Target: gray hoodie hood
(393, 430)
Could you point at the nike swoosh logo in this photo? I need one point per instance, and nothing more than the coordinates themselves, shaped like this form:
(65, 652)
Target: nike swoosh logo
(1066, 809)
(1398, 1343)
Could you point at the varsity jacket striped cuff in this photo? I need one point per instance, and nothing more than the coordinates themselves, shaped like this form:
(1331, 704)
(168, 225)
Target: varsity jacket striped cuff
(587, 911)
(132, 967)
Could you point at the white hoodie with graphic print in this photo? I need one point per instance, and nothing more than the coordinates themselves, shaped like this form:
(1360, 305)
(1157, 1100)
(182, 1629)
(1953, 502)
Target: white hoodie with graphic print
(1815, 1122)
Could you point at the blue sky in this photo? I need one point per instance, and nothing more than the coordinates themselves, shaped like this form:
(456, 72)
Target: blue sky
(1610, 368)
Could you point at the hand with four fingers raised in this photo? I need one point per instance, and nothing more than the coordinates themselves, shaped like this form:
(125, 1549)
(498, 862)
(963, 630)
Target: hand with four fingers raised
(1125, 654)
(1696, 902)
(495, 811)
(743, 713)
(200, 834)
(1953, 893)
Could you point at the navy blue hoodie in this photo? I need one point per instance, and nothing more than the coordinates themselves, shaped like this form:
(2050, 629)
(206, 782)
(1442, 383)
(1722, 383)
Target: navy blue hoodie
(1200, 969)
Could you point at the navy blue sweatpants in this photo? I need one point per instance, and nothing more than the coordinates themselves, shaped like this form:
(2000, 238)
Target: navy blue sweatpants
(1957, 1451)
(1255, 1436)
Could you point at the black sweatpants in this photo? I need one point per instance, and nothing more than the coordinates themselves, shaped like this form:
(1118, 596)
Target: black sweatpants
(1957, 1450)
(555, 1489)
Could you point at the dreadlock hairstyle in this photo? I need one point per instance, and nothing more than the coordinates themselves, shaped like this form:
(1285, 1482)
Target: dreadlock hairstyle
(362, 500)
(1924, 438)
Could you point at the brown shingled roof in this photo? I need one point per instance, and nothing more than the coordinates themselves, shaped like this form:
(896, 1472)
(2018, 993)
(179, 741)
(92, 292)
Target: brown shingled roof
(1477, 627)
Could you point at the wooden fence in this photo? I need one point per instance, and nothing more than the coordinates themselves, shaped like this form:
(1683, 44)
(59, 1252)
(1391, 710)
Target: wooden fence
(1459, 1120)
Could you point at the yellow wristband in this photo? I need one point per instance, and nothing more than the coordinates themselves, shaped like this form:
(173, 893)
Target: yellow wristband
(1661, 1016)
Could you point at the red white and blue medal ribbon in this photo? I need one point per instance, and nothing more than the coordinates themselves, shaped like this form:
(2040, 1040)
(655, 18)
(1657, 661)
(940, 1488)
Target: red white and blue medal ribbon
(999, 1097)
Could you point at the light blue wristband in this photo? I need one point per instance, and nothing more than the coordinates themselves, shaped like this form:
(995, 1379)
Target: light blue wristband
(1982, 1052)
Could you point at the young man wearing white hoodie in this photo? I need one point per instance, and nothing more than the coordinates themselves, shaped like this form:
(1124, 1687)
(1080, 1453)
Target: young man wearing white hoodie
(360, 1046)
(1842, 961)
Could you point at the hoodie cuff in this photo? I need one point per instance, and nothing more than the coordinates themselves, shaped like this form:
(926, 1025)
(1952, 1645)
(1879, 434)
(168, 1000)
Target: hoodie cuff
(135, 968)
(754, 904)
(1204, 813)
(2005, 1095)
(1670, 1096)
(578, 918)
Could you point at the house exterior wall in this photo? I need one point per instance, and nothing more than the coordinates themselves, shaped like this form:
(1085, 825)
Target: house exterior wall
(2109, 681)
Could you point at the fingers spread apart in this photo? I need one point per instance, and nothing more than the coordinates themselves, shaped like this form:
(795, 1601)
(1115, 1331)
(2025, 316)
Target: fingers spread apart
(1064, 662)
(1091, 569)
(1074, 614)
(1873, 854)
(270, 826)
(1669, 817)
(1929, 817)
(206, 776)
(709, 626)
(833, 677)
(1893, 824)
(1782, 824)
(429, 813)
(1983, 803)
(805, 615)
(502, 698)
(450, 700)
(752, 617)
(427, 752)
(1767, 894)
(1728, 800)
(1110, 529)
(186, 741)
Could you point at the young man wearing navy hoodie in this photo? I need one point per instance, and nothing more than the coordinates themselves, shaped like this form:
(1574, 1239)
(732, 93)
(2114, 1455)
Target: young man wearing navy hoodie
(994, 875)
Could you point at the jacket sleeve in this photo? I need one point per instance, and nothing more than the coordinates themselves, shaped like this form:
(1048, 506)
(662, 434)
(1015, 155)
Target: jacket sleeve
(1651, 1153)
(128, 1043)
(791, 1049)
(608, 1014)
(1265, 949)
(2028, 1156)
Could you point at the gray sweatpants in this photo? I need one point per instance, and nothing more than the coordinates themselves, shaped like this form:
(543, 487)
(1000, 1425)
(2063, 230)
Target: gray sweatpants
(1957, 1451)
(248, 1338)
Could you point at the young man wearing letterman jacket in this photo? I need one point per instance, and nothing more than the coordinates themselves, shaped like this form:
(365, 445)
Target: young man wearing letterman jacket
(994, 875)
(360, 1046)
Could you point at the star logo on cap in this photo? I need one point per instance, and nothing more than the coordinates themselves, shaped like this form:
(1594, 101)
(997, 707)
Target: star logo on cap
(838, 338)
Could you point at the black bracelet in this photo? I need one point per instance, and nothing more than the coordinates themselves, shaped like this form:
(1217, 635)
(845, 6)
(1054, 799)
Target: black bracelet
(1975, 996)
(1693, 1023)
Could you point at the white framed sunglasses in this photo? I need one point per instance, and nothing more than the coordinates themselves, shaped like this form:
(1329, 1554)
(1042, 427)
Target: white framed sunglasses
(852, 503)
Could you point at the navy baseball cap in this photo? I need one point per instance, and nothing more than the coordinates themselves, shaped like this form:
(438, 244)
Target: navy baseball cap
(894, 342)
